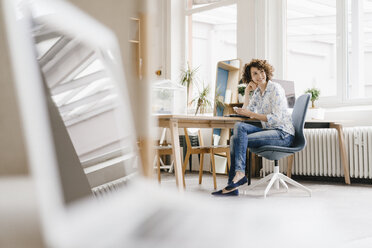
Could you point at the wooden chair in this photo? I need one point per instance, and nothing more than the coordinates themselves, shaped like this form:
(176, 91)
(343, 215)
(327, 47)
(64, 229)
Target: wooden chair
(166, 149)
(160, 150)
(212, 150)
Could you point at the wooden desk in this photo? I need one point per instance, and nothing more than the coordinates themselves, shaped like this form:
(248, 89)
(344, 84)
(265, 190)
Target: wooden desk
(230, 108)
(341, 138)
(173, 122)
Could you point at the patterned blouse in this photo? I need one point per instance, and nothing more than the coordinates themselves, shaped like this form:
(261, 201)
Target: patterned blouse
(273, 104)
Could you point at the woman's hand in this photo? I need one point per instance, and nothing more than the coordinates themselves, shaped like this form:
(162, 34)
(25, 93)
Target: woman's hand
(250, 114)
(250, 87)
(247, 93)
(244, 112)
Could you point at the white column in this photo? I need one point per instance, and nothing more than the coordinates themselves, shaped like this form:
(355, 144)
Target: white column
(276, 37)
(341, 48)
(246, 24)
(175, 40)
(252, 35)
(262, 29)
(357, 51)
(212, 59)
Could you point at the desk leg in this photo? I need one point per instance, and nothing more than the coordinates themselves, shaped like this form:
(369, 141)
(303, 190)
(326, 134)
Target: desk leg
(289, 165)
(344, 159)
(176, 154)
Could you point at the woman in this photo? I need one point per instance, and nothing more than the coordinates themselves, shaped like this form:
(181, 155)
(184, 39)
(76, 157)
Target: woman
(267, 104)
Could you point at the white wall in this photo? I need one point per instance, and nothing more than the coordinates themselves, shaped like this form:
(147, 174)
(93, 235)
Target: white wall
(259, 33)
(275, 37)
(246, 28)
(155, 14)
(350, 116)
(175, 39)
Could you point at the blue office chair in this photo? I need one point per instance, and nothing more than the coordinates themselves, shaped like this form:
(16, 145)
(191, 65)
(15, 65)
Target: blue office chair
(277, 152)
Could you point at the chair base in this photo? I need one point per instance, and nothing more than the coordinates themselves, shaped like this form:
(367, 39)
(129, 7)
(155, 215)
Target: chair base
(274, 179)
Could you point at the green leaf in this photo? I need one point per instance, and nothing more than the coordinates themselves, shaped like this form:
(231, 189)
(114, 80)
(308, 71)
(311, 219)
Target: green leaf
(241, 89)
(202, 100)
(188, 76)
(315, 93)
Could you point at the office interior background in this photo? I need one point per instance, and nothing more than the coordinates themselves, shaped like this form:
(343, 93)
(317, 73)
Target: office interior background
(308, 42)
(325, 44)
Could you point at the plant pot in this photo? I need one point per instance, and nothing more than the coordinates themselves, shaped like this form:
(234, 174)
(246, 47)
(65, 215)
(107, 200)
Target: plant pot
(315, 114)
(240, 98)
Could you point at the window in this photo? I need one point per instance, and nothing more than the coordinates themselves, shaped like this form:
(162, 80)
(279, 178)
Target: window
(211, 38)
(359, 49)
(311, 45)
(329, 46)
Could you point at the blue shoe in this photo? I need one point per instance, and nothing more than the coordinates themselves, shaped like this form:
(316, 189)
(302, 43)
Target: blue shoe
(231, 193)
(237, 184)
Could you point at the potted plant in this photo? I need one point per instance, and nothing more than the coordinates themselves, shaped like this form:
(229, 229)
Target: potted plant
(314, 113)
(187, 79)
(315, 93)
(202, 100)
(241, 91)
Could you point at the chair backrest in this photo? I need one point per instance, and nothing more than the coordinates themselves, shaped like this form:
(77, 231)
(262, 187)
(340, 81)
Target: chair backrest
(193, 140)
(298, 120)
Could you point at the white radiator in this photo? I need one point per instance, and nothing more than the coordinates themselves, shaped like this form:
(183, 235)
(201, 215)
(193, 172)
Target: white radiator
(321, 156)
(108, 188)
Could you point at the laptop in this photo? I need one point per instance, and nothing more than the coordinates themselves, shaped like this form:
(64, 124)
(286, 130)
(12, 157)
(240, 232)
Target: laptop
(237, 115)
(73, 97)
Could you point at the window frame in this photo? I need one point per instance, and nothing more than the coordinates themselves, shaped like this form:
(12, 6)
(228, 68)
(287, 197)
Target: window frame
(341, 99)
(188, 47)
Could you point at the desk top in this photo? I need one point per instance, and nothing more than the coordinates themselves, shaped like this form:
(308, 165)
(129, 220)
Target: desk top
(195, 118)
(202, 121)
(225, 122)
(200, 118)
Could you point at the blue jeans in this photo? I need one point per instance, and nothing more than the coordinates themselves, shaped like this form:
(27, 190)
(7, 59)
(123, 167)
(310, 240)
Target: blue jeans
(246, 135)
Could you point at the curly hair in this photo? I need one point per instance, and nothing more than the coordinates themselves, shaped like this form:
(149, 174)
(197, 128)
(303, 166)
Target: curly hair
(259, 64)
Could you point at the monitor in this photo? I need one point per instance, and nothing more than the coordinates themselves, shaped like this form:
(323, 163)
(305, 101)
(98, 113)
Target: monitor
(289, 90)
